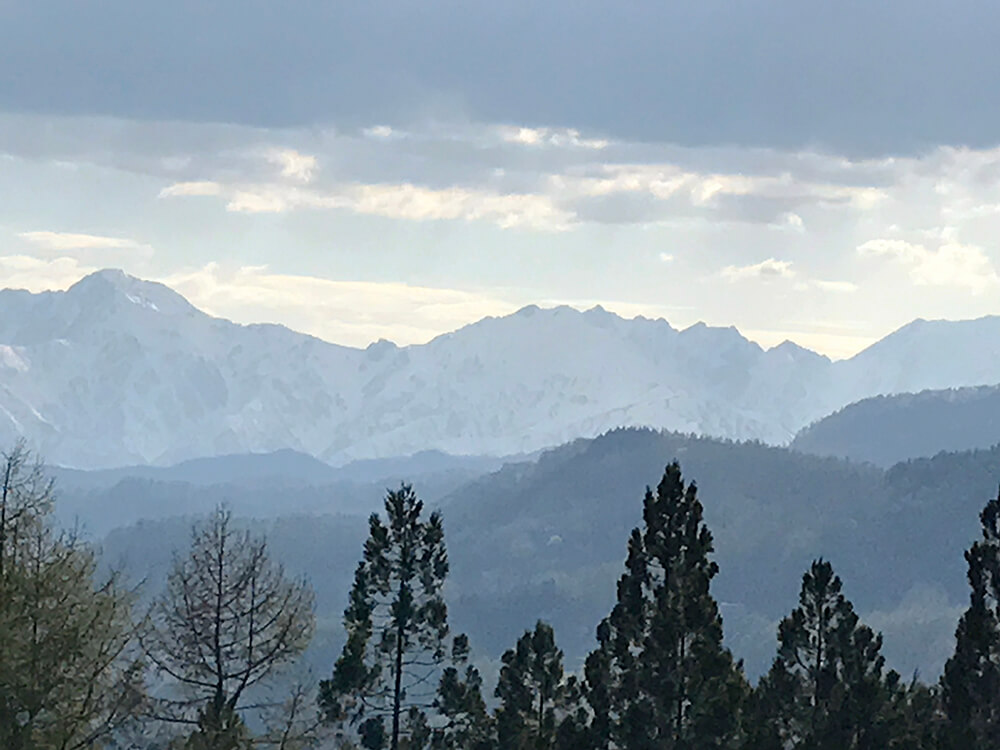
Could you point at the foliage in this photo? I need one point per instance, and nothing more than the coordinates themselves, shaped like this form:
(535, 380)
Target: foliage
(465, 723)
(397, 629)
(826, 689)
(69, 672)
(971, 681)
(536, 697)
(660, 677)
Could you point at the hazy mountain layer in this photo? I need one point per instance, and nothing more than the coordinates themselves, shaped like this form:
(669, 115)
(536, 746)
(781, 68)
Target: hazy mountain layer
(255, 485)
(887, 429)
(548, 540)
(117, 371)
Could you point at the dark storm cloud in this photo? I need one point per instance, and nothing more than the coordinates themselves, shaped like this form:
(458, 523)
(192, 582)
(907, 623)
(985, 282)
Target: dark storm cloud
(856, 77)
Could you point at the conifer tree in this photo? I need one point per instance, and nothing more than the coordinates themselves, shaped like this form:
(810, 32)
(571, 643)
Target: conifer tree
(535, 696)
(826, 689)
(465, 723)
(397, 630)
(971, 681)
(913, 715)
(660, 677)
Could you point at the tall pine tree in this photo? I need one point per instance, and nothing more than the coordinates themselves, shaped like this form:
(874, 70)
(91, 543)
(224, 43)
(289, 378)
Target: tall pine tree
(826, 689)
(660, 678)
(535, 696)
(397, 630)
(971, 681)
(463, 721)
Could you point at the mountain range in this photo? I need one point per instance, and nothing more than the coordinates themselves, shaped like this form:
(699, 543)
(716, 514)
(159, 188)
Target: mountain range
(118, 371)
(885, 430)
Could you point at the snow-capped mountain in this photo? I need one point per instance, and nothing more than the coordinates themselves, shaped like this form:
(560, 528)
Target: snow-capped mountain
(117, 370)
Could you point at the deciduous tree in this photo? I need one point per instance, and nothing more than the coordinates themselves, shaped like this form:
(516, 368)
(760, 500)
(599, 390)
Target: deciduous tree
(228, 620)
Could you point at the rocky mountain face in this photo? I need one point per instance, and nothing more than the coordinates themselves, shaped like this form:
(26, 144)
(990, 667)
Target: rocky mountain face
(118, 371)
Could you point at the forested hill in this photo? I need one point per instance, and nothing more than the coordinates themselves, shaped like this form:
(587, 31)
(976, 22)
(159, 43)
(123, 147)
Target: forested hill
(547, 540)
(887, 429)
(555, 534)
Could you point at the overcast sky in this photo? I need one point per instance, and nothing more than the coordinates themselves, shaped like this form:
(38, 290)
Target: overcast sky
(823, 172)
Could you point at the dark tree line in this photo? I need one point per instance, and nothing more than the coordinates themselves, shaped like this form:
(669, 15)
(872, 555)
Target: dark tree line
(659, 677)
(83, 666)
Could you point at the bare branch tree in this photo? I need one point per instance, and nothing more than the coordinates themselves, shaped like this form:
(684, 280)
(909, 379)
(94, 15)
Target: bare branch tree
(26, 495)
(228, 620)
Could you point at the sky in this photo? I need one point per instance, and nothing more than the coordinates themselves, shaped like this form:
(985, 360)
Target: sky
(820, 172)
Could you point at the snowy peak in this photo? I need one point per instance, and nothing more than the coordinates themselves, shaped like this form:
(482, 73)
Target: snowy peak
(929, 354)
(104, 288)
(117, 370)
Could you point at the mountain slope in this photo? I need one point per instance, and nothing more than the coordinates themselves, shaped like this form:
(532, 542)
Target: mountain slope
(885, 430)
(548, 539)
(117, 371)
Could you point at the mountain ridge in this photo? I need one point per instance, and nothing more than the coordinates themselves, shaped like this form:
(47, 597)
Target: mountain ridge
(117, 371)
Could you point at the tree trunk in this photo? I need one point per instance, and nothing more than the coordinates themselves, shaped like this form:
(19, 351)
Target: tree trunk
(397, 691)
(680, 693)
(3, 516)
(541, 718)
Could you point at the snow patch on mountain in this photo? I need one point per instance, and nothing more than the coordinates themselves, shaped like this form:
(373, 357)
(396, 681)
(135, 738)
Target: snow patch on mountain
(127, 371)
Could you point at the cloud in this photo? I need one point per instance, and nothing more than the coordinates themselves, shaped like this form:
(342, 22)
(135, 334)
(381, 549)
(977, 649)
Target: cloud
(62, 241)
(667, 191)
(352, 313)
(409, 202)
(555, 137)
(840, 287)
(90, 249)
(775, 270)
(791, 221)
(951, 264)
(294, 165)
(197, 188)
(38, 275)
(766, 270)
(560, 68)
(378, 131)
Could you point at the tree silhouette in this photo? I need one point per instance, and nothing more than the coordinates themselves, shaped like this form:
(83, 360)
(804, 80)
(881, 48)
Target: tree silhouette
(397, 629)
(971, 681)
(660, 677)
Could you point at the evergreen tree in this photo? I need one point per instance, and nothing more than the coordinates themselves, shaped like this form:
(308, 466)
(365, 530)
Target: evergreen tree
(913, 715)
(535, 696)
(466, 724)
(228, 620)
(660, 677)
(971, 681)
(826, 689)
(397, 629)
(69, 672)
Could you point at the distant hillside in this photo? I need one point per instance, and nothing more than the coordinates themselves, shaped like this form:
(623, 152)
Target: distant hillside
(887, 429)
(258, 485)
(547, 539)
